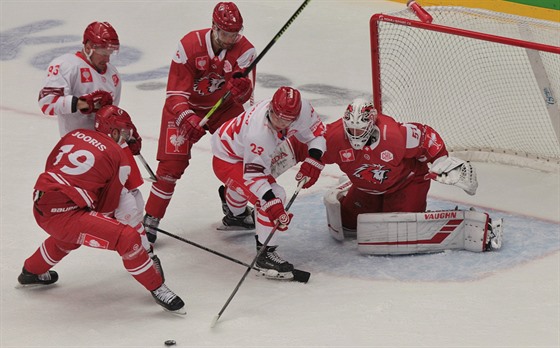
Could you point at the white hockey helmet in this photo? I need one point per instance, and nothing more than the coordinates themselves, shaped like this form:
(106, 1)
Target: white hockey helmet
(359, 122)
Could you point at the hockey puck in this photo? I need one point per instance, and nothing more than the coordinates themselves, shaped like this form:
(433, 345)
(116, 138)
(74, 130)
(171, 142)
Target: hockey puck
(170, 342)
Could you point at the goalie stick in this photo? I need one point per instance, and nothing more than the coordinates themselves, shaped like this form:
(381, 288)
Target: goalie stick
(254, 63)
(261, 250)
(299, 275)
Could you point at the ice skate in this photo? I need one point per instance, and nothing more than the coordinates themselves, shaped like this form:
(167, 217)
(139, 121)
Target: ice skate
(157, 263)
(169, 300)
(150, 223)
(242, 222)
(272, 266)
(28, 279)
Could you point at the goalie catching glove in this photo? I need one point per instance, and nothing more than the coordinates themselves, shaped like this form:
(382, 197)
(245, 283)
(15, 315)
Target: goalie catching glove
(95, 101)
(276, 212)
(454, 171)
(190, 121)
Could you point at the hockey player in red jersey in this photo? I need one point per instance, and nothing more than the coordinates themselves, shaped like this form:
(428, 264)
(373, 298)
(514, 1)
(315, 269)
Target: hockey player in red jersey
(207, 63)
(243, 148)
(385, 161)
(75, 199)
(389, 167)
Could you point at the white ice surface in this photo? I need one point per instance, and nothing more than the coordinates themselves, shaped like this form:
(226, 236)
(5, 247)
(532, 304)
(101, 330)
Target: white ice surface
(510, 298)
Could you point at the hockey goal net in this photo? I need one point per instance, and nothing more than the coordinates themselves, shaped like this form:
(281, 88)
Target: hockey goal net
(488, 82)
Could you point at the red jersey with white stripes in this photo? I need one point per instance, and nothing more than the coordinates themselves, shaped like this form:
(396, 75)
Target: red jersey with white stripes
(89, 167)
(71, 75)
(197, 76)
(398, 153)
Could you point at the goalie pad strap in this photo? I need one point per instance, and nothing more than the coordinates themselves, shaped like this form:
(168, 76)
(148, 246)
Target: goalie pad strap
(413, 233)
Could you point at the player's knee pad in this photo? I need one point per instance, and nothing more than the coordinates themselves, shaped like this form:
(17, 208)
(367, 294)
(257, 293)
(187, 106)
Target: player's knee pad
(129, 244)
(171, 171)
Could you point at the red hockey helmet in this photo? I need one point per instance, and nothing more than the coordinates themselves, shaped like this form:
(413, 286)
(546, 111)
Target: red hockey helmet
(112, 117)
(102, 35)
(227, 17)
(286, 103)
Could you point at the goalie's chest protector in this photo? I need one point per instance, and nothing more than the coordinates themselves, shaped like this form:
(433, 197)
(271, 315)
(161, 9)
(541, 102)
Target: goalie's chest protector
(379, 168)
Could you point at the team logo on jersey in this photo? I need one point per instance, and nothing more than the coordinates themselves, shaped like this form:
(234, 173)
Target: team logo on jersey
(347, 155)
(227, 66)
(115, 79)
(208, 84)
(201, 63)
(93, 241)
(374, 173)
(386, 156)
(176, 141)
(85, 75)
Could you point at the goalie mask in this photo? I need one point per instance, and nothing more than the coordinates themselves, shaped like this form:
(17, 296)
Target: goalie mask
(359, 122)
(111, 117)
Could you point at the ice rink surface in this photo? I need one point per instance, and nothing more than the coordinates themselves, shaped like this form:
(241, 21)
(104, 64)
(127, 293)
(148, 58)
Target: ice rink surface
(509, 298)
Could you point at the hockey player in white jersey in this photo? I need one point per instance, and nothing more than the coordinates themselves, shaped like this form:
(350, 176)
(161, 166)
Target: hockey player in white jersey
(78, 84)
(81, 83)
(243, 148)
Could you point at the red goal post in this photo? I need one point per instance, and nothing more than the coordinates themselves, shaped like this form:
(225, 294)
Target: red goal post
(488, 82)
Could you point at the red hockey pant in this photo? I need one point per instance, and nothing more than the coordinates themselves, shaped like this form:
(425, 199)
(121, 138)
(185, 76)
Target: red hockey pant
(71, 229)
(411, 198)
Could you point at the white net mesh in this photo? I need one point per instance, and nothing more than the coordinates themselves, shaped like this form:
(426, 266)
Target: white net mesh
(481, 96)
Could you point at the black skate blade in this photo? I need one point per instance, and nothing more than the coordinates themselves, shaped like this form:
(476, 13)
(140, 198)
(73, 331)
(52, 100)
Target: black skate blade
(180, 311)
(295, 276)
(233, 228)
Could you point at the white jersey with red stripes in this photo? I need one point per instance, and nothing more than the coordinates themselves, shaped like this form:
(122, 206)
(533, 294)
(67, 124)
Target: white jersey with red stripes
(251, 139)
(71, 75)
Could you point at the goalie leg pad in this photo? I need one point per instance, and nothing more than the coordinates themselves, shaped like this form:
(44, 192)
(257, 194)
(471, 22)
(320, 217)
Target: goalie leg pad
(413, 233)
(332, 205)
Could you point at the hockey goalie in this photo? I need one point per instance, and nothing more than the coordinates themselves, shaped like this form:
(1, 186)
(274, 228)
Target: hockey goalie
(388, 167)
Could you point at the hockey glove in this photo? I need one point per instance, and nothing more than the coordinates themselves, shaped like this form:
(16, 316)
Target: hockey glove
(454, 171)
(240, 89)
(135, 142)
(277, 214)
(190, 122)
(95, 101)
(310, 169)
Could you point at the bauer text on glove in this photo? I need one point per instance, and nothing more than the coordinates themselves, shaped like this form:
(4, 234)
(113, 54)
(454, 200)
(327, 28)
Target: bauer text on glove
(277, 213)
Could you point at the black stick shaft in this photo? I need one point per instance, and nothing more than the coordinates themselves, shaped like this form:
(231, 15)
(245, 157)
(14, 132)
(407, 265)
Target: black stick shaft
(261, 250)
(254, 63)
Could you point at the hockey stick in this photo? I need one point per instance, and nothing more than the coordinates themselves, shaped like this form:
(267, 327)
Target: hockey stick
(299, 275)
(261, 250)
(254, 63)
(153, 177)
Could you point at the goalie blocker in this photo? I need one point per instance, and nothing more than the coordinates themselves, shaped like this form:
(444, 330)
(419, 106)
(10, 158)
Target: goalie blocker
(413, 233)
